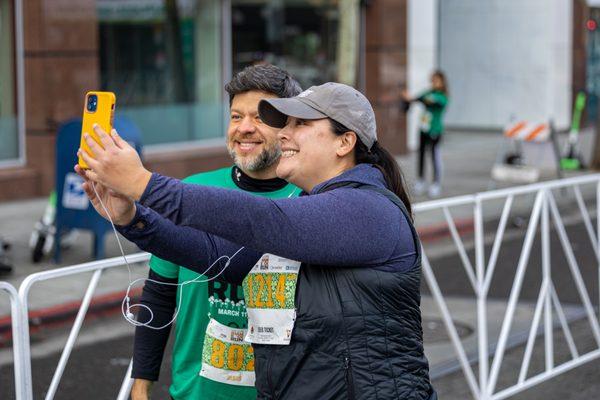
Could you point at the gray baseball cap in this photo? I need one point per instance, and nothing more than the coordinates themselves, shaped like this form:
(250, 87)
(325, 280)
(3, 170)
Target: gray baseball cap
(337, 101)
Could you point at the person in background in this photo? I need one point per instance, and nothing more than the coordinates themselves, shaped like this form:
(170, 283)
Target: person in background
(431, 129)
(255, 150)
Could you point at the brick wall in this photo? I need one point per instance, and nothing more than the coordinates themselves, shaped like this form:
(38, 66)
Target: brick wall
(386, 68)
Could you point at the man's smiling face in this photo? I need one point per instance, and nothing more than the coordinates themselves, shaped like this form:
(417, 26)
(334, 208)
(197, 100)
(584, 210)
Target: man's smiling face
(252, 144)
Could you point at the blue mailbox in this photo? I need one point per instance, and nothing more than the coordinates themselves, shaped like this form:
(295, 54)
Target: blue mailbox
(73, 209)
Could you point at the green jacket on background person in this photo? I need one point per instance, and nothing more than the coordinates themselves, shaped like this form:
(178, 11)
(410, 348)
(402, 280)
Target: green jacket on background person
(435, 102)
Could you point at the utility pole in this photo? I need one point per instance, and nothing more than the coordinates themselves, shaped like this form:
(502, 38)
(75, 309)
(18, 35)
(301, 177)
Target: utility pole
(348, 41)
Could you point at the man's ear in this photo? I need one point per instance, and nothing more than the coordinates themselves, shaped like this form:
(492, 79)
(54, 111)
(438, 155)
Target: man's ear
(347, 142)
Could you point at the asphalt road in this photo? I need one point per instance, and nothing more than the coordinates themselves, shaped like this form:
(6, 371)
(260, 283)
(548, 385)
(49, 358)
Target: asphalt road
(95, 370)
(580, 383)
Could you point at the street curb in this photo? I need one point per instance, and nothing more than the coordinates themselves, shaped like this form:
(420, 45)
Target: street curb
(61, 314)
(437, 232)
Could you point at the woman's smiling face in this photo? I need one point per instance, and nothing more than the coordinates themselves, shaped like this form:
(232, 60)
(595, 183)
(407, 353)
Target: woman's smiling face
(308, 152)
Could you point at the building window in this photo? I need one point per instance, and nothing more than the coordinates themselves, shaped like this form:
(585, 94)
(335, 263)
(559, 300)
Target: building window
(299, 36)
(162, 58)
(9, 135)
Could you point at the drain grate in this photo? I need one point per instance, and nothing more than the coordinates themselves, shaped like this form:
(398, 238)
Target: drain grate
(434, 330)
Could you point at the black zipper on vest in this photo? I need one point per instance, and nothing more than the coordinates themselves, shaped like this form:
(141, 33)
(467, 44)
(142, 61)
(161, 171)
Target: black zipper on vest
(349, 378)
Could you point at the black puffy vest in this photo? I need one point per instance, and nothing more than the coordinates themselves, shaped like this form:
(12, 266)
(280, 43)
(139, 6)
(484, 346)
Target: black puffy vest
(357, 336)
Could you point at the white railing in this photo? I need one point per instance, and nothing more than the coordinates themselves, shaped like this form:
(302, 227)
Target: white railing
(97, 267)
(480, 274)
(127, 383)
(21, 389)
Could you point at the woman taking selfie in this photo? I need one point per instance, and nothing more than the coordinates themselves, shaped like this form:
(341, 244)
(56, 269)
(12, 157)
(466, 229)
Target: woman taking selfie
(343, 320)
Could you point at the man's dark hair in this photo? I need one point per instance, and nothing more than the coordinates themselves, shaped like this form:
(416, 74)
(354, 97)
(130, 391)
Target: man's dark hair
(268, 78)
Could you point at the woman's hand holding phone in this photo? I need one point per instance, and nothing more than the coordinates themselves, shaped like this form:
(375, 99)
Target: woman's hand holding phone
(116, 165)
(121, 208)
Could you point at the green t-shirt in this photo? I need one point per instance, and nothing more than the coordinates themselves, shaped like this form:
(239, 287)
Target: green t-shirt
(432, 119)
(223, 301)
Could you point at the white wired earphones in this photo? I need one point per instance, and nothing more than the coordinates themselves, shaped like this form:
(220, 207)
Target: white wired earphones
(126, 307)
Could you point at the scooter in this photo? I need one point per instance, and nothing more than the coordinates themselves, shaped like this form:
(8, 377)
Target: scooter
(572, 159)
(5, 266)
(41, 241)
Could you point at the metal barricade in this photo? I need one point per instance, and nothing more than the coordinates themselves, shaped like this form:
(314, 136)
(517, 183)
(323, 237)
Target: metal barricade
(481, 272)
(97, 267)
(127, 383)
(21, 390)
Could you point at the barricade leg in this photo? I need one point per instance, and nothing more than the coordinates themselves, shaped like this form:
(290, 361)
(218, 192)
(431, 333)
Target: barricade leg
(20, 337)
(26, 348)
(482, 325)
(127, 383)
(57, 235)
(22, 391)
(98, 246)
(73, 334)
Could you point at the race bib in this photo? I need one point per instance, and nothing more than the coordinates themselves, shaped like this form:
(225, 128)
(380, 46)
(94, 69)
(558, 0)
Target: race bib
(425, 125)
(226, 357)
(270, 290)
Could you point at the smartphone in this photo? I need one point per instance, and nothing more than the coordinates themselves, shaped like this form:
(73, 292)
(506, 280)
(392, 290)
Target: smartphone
(98, 108)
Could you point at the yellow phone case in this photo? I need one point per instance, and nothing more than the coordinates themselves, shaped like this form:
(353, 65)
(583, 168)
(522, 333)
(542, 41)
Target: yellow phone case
(98, 108)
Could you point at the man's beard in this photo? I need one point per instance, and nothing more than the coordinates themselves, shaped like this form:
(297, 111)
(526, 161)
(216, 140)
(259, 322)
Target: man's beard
(266, 158)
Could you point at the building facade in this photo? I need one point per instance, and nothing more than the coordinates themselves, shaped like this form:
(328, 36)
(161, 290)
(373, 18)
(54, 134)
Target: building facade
(167, 62)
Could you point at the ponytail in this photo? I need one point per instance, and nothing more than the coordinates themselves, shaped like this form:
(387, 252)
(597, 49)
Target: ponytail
(382, 160)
